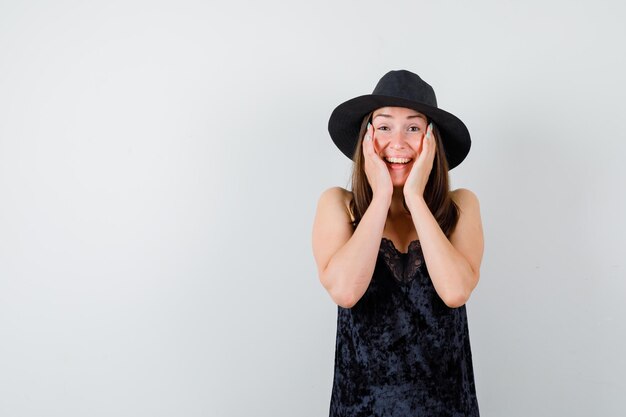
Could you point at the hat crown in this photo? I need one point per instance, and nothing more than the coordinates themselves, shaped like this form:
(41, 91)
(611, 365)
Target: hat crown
(407, 85)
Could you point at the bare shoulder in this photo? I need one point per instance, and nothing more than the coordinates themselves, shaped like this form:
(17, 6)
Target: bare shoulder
(337, 192)
(468, 230)
(337, 197)
(467, 236)
(465, 199)
(332, 226)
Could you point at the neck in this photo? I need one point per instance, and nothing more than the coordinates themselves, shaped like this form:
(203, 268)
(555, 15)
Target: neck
(396, 208)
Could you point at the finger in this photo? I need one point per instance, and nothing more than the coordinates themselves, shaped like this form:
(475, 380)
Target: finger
(431, 140)
(368, 135)
(367, 143)
(375, 151)
(427, 142)
(431, 148)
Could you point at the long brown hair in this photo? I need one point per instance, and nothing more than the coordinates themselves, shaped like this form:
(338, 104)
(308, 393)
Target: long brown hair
(436, 193)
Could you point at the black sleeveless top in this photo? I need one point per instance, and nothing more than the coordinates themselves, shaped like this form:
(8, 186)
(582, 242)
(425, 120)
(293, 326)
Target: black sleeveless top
(400, 351)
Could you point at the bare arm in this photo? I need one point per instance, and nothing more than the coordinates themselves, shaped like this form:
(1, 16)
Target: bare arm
(346, 259)
(454, 264)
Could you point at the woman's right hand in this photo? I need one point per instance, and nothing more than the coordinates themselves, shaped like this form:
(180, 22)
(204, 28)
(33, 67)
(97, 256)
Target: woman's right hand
(375, 168)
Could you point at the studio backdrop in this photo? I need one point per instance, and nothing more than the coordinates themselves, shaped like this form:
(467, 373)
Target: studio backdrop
(160, 167)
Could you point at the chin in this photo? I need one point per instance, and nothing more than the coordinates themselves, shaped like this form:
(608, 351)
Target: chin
(398, 184)
(399, 180)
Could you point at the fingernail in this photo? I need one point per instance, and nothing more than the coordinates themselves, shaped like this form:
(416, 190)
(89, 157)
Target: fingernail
(367, 137)
(369, 125)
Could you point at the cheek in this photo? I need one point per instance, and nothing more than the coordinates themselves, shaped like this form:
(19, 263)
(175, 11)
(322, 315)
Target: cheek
(417, 144)
(379, 143)
(377, 146)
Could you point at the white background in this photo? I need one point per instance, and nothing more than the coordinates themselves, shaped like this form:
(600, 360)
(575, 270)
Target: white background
(160, 165)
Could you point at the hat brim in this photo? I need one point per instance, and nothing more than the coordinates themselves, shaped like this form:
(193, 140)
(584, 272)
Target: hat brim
(345, 122)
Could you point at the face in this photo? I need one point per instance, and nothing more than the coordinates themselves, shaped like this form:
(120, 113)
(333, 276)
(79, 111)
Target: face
(398, 133)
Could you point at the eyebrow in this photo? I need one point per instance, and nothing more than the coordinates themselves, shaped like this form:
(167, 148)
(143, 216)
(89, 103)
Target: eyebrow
(391, 117)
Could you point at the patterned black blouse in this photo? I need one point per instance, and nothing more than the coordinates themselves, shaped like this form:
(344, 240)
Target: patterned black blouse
(400, 350)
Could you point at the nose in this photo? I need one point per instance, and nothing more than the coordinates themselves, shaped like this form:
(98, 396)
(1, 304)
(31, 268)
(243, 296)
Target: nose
(397, 141)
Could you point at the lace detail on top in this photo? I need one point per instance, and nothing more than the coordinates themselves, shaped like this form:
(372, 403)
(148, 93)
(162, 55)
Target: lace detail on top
(403, 266)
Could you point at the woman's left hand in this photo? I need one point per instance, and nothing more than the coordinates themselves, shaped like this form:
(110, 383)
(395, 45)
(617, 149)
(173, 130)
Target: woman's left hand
(418, 177)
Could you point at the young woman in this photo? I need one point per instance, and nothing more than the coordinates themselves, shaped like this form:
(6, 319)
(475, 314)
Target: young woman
(400, 255)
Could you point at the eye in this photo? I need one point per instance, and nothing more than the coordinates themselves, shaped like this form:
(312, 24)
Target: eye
(414, 129)
(382, 127)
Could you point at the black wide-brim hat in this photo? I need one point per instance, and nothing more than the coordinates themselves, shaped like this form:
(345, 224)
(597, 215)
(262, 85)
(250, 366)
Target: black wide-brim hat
(399, 89)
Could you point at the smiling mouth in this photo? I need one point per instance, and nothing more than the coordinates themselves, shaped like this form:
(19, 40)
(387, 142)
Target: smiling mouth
(397, 162)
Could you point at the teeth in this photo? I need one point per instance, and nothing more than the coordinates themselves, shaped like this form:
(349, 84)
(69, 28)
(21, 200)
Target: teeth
(398, 160)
